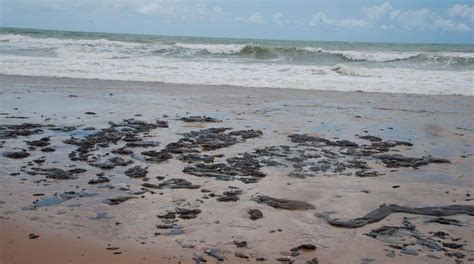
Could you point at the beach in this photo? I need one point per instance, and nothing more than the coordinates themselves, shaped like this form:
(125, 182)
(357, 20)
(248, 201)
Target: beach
(102, 171)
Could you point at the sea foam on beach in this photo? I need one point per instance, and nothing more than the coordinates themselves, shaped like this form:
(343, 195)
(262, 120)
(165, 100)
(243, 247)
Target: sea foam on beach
(370, 67)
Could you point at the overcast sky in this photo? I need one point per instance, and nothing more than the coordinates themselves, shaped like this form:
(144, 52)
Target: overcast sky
(346, 20)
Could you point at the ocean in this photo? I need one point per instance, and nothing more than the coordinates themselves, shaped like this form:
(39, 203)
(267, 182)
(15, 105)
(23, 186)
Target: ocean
(315, 65)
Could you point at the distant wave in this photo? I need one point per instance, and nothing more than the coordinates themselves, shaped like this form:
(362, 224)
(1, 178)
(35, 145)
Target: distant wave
(25, 40)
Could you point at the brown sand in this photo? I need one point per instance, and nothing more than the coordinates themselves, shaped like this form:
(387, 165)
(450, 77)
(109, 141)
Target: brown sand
(438, 125)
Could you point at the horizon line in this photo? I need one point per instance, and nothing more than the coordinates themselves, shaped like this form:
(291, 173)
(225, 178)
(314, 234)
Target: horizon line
(239, 38)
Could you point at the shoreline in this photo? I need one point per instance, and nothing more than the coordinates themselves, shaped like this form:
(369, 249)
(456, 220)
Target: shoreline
(194, 86)
(411, 125)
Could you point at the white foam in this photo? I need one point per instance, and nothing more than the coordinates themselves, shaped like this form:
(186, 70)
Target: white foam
(376, 56)
(352, 71)
(373, 56)
(392, 80)
(460, 55)
(386, 56)
(214, 48)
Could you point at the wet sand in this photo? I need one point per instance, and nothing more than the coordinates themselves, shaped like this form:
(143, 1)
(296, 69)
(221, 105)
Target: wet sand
(329, 180)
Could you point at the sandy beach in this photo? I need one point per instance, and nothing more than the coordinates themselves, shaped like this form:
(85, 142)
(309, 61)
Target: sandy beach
(95, 171)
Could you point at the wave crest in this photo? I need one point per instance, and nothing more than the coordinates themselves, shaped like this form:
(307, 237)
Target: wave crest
(213, 48)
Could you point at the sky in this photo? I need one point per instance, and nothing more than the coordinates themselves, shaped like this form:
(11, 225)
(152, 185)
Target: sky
(431, 21)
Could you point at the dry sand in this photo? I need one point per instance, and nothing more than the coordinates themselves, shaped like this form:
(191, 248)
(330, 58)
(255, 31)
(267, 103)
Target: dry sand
(79, 230)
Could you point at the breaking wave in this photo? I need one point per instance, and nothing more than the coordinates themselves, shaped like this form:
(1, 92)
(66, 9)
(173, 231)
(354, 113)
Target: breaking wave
(295, 53)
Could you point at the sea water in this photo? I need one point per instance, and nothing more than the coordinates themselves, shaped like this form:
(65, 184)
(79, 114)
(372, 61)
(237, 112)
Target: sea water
(315, 65)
